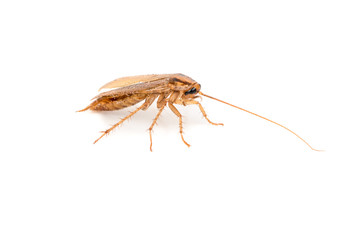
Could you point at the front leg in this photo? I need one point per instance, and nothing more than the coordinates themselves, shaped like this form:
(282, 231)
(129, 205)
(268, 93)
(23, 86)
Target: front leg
(189, 102)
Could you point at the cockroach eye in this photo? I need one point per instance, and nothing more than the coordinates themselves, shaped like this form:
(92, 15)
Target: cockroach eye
(193, 90)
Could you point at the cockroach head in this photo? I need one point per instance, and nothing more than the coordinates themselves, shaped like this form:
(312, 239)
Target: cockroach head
(192, 91)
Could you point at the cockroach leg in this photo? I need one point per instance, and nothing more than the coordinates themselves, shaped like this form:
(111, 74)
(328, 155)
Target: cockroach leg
(202, 111)
(148, 101)
(121, 121)
(162, 100)
(154, 122)
(177, 113)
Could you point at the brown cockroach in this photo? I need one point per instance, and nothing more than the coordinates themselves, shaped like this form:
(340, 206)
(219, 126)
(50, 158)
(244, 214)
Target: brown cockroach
(168, 89)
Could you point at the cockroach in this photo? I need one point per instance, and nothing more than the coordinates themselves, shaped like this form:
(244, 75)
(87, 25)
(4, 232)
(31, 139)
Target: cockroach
(168, 89)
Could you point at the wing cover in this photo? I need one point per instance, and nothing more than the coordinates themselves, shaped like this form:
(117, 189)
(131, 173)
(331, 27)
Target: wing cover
(127, 81)
(158, 86)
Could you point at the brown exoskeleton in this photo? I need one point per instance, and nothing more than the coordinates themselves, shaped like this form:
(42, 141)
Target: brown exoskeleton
(168, 89)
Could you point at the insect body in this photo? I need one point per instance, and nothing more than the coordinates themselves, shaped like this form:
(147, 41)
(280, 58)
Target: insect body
(168, 89)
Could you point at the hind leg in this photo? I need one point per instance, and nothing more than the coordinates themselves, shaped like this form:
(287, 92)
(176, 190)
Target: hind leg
(144, 106)
(120, 122)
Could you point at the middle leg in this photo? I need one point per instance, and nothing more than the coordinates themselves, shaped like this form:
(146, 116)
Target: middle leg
(177, 113)
(154, 122)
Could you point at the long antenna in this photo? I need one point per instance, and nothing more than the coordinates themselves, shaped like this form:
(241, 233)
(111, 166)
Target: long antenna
(260, 117)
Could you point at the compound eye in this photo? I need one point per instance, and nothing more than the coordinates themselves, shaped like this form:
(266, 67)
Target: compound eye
(192, 91)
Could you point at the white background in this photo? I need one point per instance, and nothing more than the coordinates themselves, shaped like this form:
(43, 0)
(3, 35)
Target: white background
(247, 180)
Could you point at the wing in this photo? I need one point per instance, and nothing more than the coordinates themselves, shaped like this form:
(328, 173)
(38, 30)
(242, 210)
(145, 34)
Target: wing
(128, 81)
(157, 86)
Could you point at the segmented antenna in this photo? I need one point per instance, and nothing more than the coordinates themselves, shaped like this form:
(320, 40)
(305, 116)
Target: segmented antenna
(262, 118)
